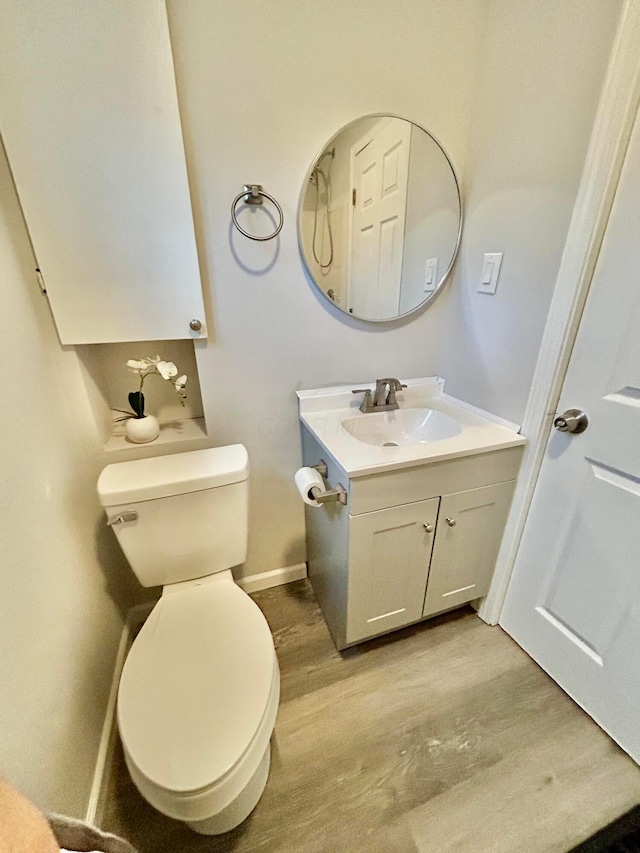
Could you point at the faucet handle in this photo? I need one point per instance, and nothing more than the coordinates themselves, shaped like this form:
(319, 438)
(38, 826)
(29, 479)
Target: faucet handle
(367, 403)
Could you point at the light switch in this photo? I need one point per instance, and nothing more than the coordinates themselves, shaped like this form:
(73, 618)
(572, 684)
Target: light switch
(490, 272)
(430, 275)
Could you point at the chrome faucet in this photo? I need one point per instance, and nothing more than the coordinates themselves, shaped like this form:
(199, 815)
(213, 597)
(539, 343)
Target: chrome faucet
(384, 397)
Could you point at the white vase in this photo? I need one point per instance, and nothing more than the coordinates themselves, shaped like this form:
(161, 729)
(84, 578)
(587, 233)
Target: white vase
(142, 430)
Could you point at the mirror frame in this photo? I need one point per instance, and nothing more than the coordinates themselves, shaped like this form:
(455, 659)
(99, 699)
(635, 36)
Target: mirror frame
(425, 302)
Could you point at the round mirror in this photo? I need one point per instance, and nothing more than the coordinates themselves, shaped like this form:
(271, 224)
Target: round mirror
(380, 218)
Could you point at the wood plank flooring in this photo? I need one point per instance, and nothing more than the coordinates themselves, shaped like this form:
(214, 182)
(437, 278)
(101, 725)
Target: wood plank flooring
(441, 737)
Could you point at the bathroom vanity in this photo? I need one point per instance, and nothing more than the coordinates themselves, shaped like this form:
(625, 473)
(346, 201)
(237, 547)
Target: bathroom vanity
(428, 489)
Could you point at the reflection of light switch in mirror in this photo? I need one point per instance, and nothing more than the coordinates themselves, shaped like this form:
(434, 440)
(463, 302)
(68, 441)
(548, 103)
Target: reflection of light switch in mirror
(490, 272)
(430, 275)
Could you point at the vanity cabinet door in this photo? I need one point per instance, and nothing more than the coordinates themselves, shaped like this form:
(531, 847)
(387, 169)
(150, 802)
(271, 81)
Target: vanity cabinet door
(470, 528)
(389, 554)
(92, 131)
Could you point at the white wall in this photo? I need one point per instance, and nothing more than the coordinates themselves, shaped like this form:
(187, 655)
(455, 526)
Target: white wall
(64, 583)
(262, 114)
(433, 218)
(539, 78)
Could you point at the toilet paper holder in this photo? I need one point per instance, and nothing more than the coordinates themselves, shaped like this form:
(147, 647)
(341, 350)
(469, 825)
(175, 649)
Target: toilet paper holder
(338, 494)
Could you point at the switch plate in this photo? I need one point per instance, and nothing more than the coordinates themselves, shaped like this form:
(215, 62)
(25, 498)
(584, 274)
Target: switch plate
(490, 272)
(430, 275)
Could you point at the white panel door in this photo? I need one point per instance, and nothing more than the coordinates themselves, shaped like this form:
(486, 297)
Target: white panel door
(89, 118)
(380, 171)
(574, 598)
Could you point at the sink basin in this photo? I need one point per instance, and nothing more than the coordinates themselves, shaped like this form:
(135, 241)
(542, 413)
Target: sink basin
(402, 427)
(429, 426)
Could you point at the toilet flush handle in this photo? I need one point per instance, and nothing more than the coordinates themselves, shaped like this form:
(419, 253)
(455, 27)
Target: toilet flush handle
(122, 517)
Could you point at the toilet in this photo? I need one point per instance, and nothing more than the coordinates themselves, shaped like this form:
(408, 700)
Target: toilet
(199, 690)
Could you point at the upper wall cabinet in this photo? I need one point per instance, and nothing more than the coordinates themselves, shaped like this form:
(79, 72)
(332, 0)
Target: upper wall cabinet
(89, 117)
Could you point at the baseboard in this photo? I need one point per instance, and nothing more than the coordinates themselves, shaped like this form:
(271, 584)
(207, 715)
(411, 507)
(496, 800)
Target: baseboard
(104, 760)
(276, 577)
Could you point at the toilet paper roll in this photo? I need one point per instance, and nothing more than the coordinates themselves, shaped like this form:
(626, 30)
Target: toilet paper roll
(307, 479)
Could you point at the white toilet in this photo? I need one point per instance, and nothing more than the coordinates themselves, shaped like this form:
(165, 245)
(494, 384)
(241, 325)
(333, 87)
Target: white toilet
(199, 691)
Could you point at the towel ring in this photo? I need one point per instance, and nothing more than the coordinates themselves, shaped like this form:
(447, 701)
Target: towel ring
(252, 194)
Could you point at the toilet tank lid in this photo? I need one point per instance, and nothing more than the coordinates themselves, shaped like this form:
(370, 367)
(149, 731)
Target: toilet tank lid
(177, 474)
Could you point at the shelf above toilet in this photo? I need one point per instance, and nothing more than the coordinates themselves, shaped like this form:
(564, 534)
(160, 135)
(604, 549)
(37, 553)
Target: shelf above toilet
(188, 434)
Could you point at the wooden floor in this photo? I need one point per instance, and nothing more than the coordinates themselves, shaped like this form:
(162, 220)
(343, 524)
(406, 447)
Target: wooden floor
(442, 737)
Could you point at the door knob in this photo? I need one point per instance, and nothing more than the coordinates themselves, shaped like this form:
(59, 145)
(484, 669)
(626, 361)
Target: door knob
(451, 522)
(573, 420)
(195, 325)
(428, 527)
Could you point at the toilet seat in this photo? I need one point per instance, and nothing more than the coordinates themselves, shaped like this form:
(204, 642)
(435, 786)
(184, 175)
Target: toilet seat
(198, 692)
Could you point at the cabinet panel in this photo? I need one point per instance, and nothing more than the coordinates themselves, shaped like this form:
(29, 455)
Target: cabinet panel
(328, 546)
(389, 553)
(91, 126)
(464, 555)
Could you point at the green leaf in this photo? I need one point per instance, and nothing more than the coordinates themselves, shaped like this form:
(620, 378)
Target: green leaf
(136, 401)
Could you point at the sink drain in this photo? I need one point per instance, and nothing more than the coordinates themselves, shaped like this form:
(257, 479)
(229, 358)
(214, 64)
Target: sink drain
(389, 444)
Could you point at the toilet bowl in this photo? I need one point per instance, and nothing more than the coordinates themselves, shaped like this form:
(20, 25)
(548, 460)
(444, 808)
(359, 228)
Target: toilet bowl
(199, 690)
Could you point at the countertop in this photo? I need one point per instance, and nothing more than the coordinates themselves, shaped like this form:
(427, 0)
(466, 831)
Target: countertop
(322, 411)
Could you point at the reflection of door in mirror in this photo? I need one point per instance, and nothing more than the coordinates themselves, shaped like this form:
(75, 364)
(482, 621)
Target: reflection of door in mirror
(379, 169)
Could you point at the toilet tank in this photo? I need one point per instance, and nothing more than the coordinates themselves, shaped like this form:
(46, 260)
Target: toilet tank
(182, 516)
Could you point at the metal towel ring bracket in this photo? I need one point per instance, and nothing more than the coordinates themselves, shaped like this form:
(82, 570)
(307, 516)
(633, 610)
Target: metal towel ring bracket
(252, 194)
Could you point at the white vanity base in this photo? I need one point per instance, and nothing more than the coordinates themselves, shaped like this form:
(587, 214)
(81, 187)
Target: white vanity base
(422, 526)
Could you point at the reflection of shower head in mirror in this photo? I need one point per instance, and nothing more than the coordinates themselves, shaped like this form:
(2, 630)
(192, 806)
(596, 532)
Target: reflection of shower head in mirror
(330, 152)
(314, 178)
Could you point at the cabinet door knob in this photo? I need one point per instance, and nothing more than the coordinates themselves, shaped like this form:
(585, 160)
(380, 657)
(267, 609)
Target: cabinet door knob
(428, 527)
(195, 325)
(451, 521)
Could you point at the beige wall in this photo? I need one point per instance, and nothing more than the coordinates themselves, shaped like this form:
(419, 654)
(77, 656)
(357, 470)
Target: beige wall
(539, 78)
(64, 583)
(513, 83)
(262, 115)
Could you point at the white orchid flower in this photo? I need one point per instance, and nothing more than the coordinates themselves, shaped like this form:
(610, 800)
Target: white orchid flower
(157, 367)
(137, 366)
(167, 369)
